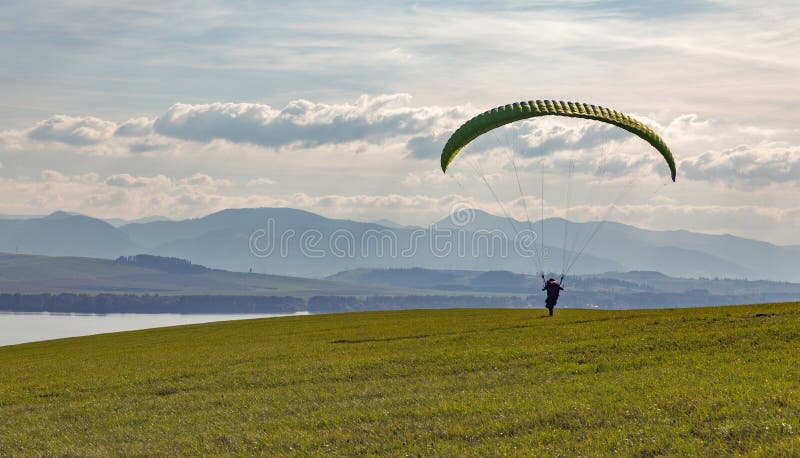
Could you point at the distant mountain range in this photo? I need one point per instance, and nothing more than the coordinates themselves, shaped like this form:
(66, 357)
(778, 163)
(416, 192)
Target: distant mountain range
(116, 222)
(285, 241)
(64, 234)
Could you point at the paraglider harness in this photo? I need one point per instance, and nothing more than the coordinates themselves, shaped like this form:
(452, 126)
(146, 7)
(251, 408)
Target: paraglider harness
(553, 289)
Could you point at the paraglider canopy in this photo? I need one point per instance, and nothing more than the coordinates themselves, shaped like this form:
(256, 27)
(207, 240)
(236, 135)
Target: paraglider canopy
(500, 116)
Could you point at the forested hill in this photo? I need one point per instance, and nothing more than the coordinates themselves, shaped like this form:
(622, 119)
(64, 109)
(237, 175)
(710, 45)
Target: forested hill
(146, 274)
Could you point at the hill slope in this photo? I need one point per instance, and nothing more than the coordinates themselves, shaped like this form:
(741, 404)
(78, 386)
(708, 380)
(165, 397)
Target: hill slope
(64, 234)
(697, 382)
(43, 274)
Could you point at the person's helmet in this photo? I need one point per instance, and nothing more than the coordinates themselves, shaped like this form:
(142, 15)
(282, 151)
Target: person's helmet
(551, 280)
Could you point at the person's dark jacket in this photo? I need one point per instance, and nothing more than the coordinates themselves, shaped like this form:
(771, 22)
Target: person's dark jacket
(553, 289)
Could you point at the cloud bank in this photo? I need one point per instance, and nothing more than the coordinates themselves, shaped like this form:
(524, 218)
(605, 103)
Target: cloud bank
(377, 156)
(72, 130)
(749, 165)
(302, 122)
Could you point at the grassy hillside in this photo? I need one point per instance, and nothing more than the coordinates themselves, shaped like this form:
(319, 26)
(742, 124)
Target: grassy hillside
(703, 382)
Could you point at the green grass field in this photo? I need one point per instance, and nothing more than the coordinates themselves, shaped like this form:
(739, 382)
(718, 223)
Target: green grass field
(703, 382)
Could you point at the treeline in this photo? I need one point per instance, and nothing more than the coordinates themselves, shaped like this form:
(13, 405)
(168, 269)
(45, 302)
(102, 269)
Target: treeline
(132, 303)
(644, 300)
(329, 304)
(173, 265)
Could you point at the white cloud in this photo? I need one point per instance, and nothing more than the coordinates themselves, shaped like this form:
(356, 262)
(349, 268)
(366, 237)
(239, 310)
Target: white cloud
(386, 122)
(373, 119)
(550, 136)
(117, 194)
(196, 181)
(746, 165)
(52, 175)
(85, 130)
(85, 135)
(89, 177)
(688, 128)
(148, 145)
(258, 182)
(203, 180)
(124, 180)
(106, 201)
(136, 127)
(746, 220)
(435, 177)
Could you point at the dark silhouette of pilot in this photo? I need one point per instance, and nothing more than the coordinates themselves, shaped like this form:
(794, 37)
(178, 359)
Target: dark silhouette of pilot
(553, 288)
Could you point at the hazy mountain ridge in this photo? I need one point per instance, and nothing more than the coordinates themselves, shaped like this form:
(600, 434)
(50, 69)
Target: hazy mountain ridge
(677, 253)
(64, 234)
(231, 239)
(228, 246)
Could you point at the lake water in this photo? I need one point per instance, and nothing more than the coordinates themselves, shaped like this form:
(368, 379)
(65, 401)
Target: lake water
(30, 327)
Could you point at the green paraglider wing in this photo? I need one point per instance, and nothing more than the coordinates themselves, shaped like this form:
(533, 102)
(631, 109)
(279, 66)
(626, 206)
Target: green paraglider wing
(503, 115)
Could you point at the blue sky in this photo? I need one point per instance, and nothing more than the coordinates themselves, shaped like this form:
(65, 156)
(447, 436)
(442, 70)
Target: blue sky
(130, 109)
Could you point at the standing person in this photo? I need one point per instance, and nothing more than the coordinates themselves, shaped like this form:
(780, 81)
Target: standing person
(553, 289)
